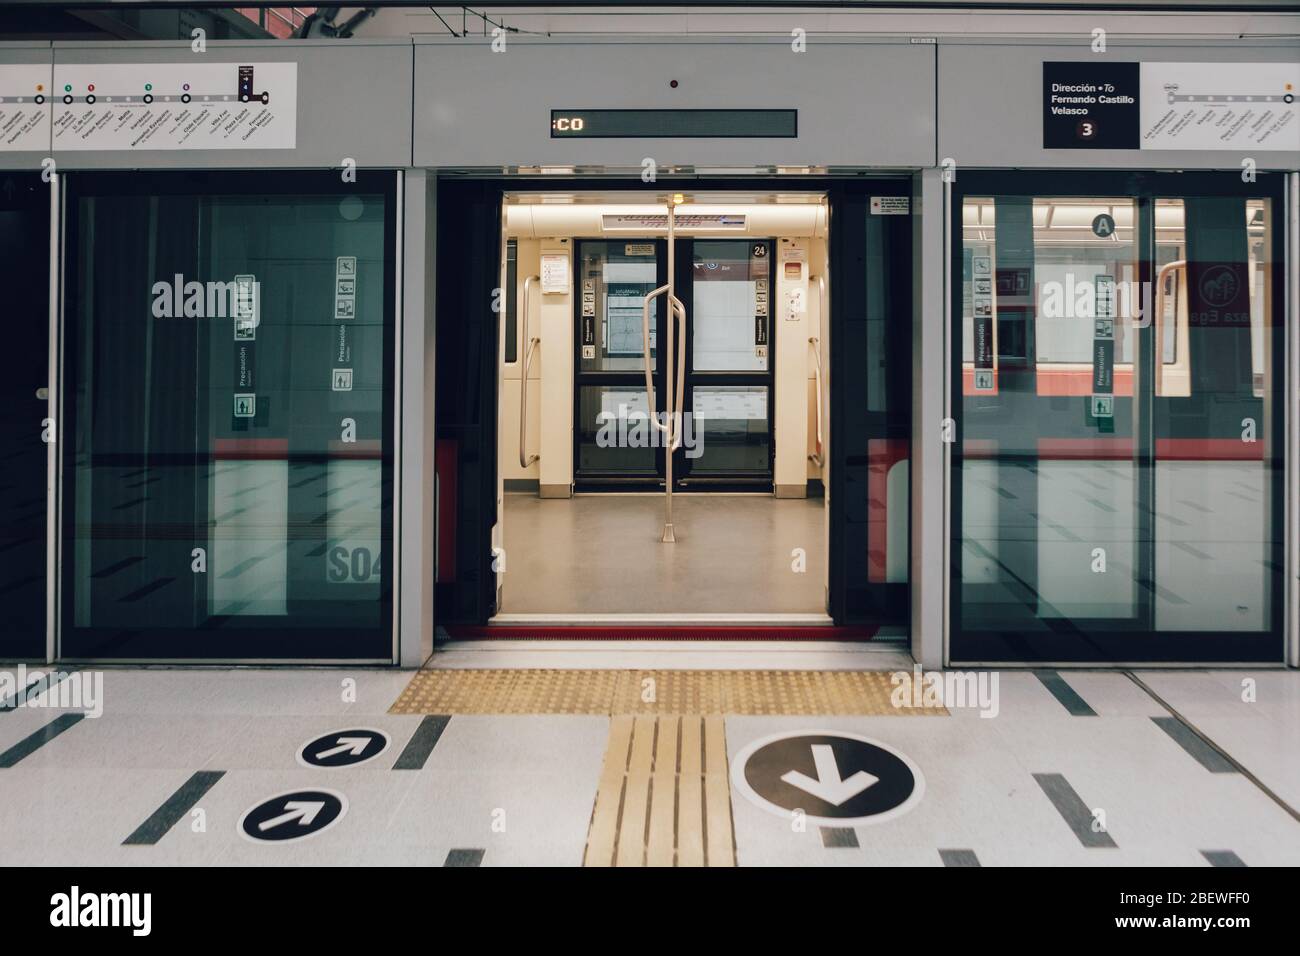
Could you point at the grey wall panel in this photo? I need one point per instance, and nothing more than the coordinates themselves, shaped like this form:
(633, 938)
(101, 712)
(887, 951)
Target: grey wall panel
(860, 103)
(991, 103)
(16, 83)
(353, 101)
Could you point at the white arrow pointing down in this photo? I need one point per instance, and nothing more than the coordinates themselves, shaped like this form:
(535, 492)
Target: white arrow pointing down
(352, 745)
(829, 786)
(304, 811)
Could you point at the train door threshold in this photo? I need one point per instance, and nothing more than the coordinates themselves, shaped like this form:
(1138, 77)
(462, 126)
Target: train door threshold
(663, 627)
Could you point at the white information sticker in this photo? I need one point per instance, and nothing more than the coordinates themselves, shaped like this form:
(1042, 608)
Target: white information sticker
(890, 205)
(555, 273)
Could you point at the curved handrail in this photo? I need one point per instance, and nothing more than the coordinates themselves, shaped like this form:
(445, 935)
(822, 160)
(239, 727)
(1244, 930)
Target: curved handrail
(645, 344)
(527, 359)
(675, 413)
(815, 343)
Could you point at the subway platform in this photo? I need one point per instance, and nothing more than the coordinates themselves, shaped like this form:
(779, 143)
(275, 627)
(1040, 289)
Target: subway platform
(633, 755)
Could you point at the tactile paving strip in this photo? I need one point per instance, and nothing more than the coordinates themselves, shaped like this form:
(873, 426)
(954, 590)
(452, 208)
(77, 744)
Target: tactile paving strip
(654, 693)
(664, 796)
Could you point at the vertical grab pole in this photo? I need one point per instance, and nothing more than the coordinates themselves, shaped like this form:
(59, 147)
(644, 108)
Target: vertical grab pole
(670, 315)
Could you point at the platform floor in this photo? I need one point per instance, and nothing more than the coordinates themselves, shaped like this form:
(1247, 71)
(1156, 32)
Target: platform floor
(602, 554)
(1076, 768)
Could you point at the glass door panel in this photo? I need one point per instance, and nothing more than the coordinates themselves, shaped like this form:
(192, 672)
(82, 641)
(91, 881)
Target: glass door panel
(24, 266)
(228, 469)
(1116, 472)
(728, 288)
(615, 440)
(1216, 516)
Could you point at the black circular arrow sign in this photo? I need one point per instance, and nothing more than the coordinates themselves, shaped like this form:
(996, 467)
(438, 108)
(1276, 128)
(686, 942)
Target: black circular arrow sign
(835, 778)
(343, 748)
(293, 815)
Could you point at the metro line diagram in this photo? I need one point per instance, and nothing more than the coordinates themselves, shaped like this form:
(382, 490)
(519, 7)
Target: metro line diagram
(1173, 96)
(244, 93)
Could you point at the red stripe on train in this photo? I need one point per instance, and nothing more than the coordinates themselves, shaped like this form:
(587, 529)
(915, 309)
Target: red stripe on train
(677, 632)
(1122, 449)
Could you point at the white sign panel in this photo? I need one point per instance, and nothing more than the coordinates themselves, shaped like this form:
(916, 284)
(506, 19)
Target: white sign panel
(1220, 106)
(25, 107)
(197, 105)
(890, 205)
(555, 274)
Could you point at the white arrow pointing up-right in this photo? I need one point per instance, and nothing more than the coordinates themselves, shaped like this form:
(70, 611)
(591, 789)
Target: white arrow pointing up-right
(304, 811)
(829, 786)
(352, 745)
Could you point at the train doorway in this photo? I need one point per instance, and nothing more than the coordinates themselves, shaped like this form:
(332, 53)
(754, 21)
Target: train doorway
(643, 430)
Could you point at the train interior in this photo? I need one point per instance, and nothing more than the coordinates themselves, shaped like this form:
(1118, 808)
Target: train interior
(607, 410)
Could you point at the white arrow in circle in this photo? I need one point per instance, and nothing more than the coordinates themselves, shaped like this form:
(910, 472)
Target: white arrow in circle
(304, 811)
(829, 786)
(353, 745)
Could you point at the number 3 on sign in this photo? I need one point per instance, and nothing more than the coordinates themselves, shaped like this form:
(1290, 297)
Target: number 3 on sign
(1086, 129)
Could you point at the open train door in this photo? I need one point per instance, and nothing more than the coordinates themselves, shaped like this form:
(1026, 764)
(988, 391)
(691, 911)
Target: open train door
(467, 366)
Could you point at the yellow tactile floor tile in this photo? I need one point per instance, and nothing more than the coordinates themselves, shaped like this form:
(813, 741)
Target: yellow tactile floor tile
(653, 693)
(664, 797)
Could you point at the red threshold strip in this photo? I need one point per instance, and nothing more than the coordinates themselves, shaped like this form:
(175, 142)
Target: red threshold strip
(655, 632)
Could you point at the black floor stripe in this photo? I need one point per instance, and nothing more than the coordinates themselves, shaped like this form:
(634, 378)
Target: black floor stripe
(422, 742)
(1236, 765)
(19, 542)
(146, 590)
(34, 689)
(1194, 552)
(1222, 858)
(174, 809)
(464, 858)
(122, 565)
(35, 741)
(1073, 810)
(959, 858)
(839, 837)
(1064, 693)
(22, 583)
(1198, 749)
(243, 566)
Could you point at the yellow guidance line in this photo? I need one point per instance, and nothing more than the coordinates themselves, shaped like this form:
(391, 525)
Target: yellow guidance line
(664, 797)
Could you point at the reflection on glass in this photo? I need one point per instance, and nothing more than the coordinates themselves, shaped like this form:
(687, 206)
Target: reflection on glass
(1068, 513)
(1217, 520)
(228, 399)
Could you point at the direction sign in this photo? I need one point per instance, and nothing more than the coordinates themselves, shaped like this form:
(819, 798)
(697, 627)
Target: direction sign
(343, 748)
(836, 778)
(293, 816)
